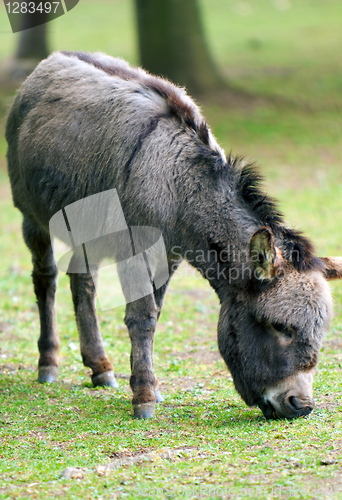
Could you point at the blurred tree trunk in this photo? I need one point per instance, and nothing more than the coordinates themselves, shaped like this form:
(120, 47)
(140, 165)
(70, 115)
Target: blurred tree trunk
(31, 49)
(33, 41)
(172, 44)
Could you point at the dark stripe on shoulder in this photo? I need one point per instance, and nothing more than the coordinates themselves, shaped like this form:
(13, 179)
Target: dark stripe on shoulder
(144, 134)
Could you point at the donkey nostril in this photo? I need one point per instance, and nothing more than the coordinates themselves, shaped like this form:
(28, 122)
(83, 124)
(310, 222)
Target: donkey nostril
(294, 403)
(298, 406)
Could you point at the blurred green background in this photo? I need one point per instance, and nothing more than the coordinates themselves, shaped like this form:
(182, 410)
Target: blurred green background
(285, 58)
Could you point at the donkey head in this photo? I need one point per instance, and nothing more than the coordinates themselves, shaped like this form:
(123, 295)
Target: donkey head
(270, 331)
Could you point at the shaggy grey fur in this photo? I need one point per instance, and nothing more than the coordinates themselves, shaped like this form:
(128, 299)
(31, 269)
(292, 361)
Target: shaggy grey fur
(83, 124)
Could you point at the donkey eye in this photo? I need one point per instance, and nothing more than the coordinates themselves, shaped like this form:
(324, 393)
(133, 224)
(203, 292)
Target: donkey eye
(286, 330)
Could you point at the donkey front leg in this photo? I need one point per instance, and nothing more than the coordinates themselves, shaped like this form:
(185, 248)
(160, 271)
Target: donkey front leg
(141, 318)
(92, 350)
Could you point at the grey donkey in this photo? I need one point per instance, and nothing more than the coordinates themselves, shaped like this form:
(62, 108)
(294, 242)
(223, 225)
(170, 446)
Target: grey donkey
(83, 124)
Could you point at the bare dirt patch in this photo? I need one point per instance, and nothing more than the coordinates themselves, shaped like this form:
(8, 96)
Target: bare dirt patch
(327, 401)
(201, 355)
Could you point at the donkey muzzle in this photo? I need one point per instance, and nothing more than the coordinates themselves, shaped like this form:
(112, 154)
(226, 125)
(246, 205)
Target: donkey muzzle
(289, 398)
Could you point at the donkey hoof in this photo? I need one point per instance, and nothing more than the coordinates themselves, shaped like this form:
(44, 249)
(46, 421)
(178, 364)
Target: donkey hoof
(105, 379)
(47, 374)
(159, 397)
(144, 410)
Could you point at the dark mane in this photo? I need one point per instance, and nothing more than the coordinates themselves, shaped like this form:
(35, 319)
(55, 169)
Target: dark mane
(296, 247)
(184, 110)
(248, 185)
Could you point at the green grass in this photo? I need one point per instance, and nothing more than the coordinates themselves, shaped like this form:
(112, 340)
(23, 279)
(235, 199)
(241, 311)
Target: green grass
(293, 54)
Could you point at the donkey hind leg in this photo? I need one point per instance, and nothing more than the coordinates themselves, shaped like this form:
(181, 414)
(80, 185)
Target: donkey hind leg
(92, 350)
(44, 277)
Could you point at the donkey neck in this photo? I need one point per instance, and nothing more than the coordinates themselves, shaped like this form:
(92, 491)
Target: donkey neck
(217, 243)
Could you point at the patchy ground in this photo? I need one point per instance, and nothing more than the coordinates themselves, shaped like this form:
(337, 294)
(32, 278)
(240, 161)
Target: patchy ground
(72, 441)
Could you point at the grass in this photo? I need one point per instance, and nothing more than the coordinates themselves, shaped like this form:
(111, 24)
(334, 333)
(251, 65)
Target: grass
(216, 441)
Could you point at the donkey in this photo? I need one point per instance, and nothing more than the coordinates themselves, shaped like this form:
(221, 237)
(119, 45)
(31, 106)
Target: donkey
(83, 124)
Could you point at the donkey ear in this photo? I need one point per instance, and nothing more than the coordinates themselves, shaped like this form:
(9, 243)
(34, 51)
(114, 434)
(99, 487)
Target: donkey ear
(265, 256)
(333, 268)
